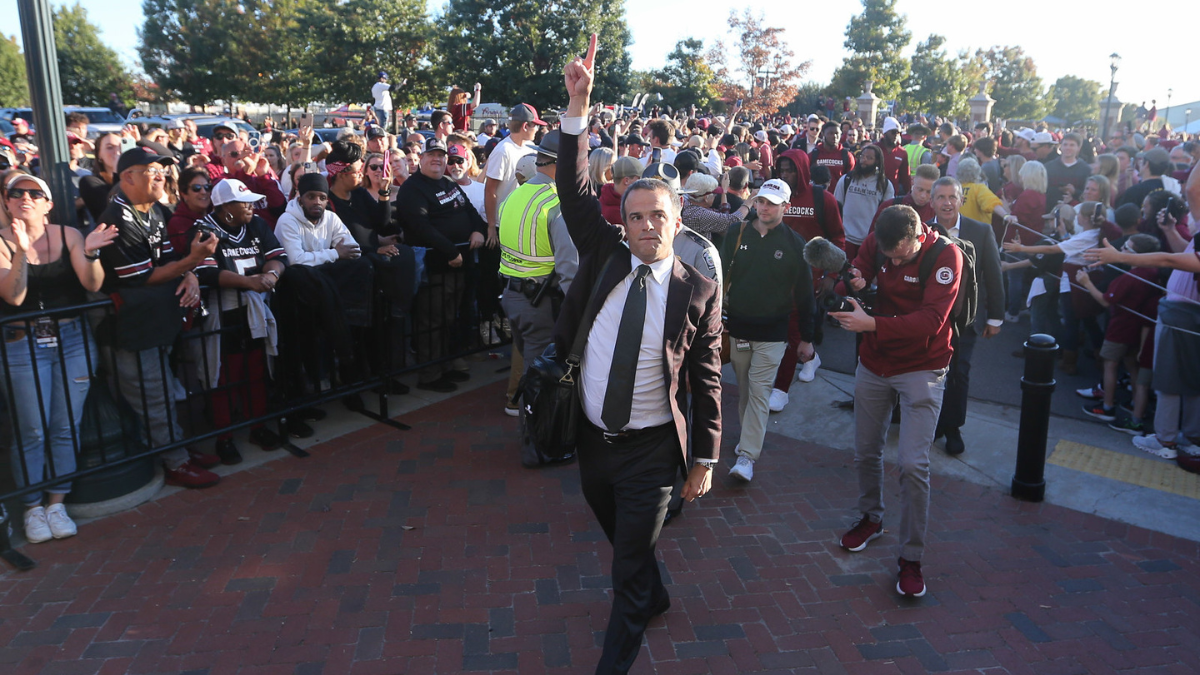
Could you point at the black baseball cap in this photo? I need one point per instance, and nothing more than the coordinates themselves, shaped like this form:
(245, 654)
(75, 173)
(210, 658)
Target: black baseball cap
(375, 131)
(142, 156)
(434, 145)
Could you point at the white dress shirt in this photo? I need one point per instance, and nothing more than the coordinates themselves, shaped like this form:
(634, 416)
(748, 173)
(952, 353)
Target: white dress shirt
(651, 407)
(953, 232)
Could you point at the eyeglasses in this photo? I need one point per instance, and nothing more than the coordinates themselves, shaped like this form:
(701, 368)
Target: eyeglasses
(19, 193)
(155, 172)
(456, 161)
(207, 187)
(224, 136)
(375, 167)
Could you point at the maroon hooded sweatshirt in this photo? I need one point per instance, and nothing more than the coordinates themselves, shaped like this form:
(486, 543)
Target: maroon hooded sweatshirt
(800, 214)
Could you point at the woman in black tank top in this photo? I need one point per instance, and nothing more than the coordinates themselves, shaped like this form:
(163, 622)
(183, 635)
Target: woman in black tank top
(46, 358)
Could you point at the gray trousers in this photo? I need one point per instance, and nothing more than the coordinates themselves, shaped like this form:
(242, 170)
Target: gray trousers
(532, 331)
(755, 369)
(145, 381)
(920, 395)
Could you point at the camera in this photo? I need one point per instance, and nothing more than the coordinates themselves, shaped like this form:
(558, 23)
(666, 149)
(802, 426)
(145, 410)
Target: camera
(833, 302)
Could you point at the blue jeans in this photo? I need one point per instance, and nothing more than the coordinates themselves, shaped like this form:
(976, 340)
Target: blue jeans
(37, 376)
(1018, 285)
(381, 116)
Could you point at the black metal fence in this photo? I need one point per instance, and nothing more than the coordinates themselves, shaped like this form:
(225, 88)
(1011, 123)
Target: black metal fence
(93, 392)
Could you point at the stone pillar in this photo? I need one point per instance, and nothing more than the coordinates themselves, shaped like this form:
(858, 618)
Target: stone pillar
(981, 105)
(1110, 113)
(868, 106)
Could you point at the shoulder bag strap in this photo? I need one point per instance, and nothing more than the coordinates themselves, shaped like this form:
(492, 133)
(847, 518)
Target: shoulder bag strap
(733, 258)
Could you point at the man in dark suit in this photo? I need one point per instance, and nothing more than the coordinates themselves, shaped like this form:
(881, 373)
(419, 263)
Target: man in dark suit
(655, 333)
(947, 200)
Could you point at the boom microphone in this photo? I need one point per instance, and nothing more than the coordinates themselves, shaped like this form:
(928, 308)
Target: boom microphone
(822, 254)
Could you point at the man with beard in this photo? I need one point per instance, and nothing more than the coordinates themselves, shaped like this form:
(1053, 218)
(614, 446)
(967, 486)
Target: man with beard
(895, 157)
(860, 193)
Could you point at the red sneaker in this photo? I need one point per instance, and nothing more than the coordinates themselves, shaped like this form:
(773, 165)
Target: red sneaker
(202, 459)
(910, 581)
(861, 534)
(191, 476)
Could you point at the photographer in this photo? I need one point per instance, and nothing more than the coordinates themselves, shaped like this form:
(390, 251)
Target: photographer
(905, 353)
(768, 284)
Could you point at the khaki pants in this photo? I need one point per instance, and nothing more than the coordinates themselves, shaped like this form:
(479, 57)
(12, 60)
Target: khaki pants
(920, 395)
(755, 369)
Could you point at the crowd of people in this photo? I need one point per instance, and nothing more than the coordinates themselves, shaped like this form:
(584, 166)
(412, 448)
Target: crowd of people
(403, 241)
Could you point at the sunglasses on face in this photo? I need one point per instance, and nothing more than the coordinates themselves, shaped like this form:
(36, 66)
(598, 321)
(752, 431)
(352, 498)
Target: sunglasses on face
(201, 188)
(224, 136)
(376, 167)
(19, 193)
(455, 161)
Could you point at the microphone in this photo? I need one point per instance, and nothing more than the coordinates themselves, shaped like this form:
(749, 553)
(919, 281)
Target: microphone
(822, 254)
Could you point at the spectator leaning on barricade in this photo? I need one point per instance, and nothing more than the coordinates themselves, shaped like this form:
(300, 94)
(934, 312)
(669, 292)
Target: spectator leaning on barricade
(904, 353)
(240, 274)
(435, 213)
(47, 361)
(143, 271)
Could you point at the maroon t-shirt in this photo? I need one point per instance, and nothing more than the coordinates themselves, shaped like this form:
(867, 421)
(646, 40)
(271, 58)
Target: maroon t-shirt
(839, 161)
(1127, 292)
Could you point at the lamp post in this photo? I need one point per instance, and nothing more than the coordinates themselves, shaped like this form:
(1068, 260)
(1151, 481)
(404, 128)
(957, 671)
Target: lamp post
(1114, 60)
(765, 73)
(1167, 115)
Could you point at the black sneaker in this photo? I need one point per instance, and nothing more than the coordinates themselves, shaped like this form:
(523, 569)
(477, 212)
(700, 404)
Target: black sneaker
(441, 385)
(228, 452)
(296, 428)
(353, 402)
(456, 376)
(266, 439)
(311, 414)
(1098, 411)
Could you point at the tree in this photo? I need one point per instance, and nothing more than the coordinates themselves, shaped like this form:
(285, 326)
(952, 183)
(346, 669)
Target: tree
(14, 86)
(687, 79)
(809, 98)
(1018, 90)
(88, 69)
(193, 49)
(937, 83)
(766, 65)
(1075, 99)
(517, 48)
(875, 39)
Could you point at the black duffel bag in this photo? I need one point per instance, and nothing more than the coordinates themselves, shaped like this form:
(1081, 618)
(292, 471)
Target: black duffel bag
(548, 392)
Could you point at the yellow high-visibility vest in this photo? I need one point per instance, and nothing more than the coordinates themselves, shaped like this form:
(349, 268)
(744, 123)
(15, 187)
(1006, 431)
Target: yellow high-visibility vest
(525, 248)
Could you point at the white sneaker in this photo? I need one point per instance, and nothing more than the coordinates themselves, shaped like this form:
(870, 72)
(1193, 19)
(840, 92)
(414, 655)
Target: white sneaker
(512, 411)
(61, 525)
(808, 371)
(1151, 445)
(485, 332)
(743, 469)
(37, 529)
(778, 401)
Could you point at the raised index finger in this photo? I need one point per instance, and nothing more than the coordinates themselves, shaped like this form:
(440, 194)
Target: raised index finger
(590, 59)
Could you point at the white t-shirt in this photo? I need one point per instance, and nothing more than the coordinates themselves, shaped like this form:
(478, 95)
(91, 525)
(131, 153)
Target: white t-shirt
(474, 192)
(383, 95)
(1073, 249)
(502, 166)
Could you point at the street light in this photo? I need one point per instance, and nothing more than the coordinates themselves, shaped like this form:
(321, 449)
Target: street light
(1187, 117)
(1167, 115)
(765, 73)
(1114, 60)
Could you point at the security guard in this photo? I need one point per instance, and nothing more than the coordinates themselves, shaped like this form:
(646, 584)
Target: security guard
(537, 263)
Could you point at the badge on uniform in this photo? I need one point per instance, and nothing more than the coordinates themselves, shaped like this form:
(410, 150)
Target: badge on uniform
(779, 255)
(742, 345)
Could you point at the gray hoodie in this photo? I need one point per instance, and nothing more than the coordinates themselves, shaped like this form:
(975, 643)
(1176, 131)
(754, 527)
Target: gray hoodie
(309, 244)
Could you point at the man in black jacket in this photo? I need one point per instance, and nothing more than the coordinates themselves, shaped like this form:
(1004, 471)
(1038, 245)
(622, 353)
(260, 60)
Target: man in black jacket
(435, 213)
(947, 200)
(655, 332)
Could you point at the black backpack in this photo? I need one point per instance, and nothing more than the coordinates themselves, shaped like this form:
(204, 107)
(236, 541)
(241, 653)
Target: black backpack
(966, 303)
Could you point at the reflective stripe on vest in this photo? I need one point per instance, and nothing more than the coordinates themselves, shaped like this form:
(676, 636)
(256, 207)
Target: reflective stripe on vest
(525, 249)
(915, 153)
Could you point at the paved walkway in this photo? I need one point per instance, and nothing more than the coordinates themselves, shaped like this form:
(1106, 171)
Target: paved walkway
(432, 551)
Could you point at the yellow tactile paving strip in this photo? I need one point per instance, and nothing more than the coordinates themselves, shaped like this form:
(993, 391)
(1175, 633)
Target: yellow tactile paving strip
(1157, 474)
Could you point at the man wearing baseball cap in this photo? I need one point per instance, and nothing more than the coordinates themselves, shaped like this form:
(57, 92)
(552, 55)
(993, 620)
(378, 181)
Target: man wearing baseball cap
(767, 285)
(381, 91)
(895, 157)
(1045, 149)
(487, 131)
(501, 180)
(153, 283)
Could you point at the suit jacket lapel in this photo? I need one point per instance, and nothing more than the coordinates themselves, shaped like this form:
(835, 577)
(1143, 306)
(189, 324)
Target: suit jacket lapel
(619, 270)
(679, 295)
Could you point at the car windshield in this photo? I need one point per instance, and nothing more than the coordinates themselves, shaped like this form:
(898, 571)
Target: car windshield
(103, 117)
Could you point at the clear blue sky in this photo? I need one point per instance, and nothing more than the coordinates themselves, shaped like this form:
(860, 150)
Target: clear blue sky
(815, 32)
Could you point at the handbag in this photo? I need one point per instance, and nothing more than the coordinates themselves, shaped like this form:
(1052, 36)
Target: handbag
(549, 391)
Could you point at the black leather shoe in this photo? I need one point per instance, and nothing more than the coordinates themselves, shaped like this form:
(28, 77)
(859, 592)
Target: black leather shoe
(442, 386)
(938, 433)
(456, 376)
(266, 439)
(228, 452)
(311, 414)
(296, 428)
(954, 442)
(661, 607)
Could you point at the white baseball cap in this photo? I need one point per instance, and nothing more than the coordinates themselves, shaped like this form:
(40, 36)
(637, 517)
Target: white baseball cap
(20, 176)
(890, 124)
(760, 136)
(1026, 133)
(233, 190)
(1044, 138)
(786, 130)
(775, 191)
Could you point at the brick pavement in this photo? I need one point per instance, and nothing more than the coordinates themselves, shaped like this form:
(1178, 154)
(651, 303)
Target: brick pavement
(432, 551)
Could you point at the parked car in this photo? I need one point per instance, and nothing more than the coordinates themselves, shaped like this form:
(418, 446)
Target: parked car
(204, 124)
(100, 120)
(323, 134)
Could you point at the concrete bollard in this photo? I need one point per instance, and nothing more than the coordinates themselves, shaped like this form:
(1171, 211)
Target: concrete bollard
(1037, 385)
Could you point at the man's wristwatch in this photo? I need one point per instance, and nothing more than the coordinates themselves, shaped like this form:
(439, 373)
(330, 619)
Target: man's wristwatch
(707, 463)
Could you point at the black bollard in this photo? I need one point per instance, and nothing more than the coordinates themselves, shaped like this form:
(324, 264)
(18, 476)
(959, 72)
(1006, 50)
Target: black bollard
(1037, 385)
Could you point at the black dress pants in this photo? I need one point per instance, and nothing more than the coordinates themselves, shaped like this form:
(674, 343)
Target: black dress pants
(958, 381)
(628, 484)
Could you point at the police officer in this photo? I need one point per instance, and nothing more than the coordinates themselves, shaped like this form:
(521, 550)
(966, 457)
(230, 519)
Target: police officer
(537, 263)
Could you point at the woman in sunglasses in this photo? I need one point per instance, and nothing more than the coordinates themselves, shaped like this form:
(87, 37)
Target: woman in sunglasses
(46, 360)
(195, 202)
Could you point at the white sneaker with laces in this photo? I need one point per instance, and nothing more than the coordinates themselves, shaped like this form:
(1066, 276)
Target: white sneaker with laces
(512, 411)
(61, 525)
(743, 469)
(37, 529)
(808, 371)
(778, 400)
(1151, 445)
